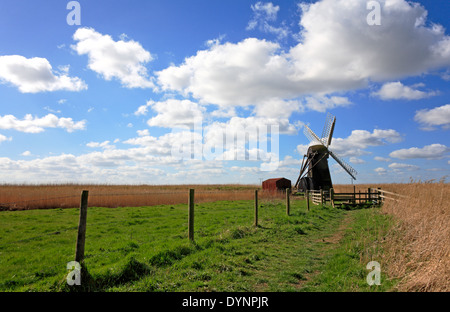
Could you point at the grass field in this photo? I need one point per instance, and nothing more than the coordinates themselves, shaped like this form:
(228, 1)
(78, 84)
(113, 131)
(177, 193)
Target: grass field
(143, 246)
(146, 248)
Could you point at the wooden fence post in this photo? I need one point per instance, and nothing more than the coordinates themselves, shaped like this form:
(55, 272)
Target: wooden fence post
(79, 253)
(307, 199)
(380, 199)
(288, 203)
(256, 207)
(321, 197)
(191, 215)
(332, 196)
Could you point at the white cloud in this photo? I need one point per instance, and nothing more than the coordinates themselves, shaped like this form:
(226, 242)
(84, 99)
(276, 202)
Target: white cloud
(4, 138)
(355, 160)
(103, 145)
(439, 116)
(338, 52)
(380, 170)
(143, 109)
(359, 140)
(323, 103)
(174, 113)
(397, 91)
(400, 166)
(338, 44)
(32, 124)
(230, 74)
(385, 159)
(302, 149)
(134, 165)
(33, 75)
(277, 108)
(263, 15)
(26, 153)
(144, 132)
(433, 151)
(123, 60)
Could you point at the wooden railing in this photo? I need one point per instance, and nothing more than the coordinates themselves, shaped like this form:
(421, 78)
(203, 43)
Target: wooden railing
(383, 195)
(373, 196)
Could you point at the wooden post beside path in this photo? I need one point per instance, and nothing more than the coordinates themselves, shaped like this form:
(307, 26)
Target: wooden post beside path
(79, 253)
(191, 215)
(256, 207)
(307, 199)
(288, 203)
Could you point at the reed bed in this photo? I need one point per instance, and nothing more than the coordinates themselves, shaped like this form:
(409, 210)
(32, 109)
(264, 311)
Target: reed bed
(26, 197)
(417, 249)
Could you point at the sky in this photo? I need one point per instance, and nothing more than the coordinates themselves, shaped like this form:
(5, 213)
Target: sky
(218, 92)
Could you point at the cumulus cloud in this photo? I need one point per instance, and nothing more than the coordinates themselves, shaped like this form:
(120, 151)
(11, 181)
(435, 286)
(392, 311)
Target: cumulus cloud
(321, 103)
(359, 140)
(263, 15)
(4, 138)
(173, 113)
(302, 149)
(33, 75)
(355, 160)
(433, 151)
(32, 124)
(122, 60)
(108, 166)
(380, 170)
(384, 159)
(103, 145)
(439, 116)
(338, 51)
(231, 74)
(397, 91)
(397, 167)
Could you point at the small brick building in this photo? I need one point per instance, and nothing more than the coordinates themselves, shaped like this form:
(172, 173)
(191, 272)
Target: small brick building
(278, 184)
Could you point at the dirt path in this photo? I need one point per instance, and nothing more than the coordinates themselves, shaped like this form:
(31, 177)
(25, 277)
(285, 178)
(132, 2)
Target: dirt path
(329, 243)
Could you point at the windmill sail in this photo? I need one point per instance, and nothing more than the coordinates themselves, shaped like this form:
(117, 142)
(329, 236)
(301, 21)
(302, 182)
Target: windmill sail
(347, 167)
(311, 135)
(328, 130)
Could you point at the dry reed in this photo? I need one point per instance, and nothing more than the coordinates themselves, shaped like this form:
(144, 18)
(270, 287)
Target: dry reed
(417, 249)
(26, 197)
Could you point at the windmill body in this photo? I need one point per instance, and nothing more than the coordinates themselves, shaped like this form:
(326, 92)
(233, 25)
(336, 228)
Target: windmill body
(314, 172)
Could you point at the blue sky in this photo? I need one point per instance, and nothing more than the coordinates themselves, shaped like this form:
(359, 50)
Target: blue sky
(110, 100)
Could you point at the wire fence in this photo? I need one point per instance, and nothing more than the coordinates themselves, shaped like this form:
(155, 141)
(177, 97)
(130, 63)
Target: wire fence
(111, 247)
(19, 201)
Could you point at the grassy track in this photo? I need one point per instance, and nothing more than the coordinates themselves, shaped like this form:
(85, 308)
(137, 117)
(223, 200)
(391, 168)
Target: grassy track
(146, 248)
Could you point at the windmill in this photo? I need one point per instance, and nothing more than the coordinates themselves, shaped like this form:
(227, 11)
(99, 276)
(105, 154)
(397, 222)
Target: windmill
(314, 172)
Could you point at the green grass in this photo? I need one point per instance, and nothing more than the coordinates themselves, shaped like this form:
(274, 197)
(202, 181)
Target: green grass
(146, 248)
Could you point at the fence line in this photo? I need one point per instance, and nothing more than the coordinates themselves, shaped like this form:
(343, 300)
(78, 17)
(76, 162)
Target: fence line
(393, 196)
(316, 196)
(132, 198)
(373, 196)
(82, 226)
